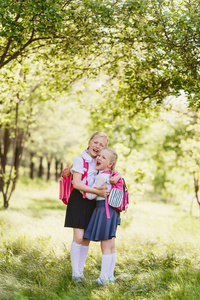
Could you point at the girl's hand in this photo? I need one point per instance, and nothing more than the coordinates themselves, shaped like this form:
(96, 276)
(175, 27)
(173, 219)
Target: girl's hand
(114, 179)
(103, 193)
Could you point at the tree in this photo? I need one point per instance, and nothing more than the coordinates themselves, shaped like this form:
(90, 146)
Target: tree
(64, 26)
(190, 159)
(15, 137)
(32, 109)
(59, 127)
(155, 54)
(62, 34)
(16, 112)
(171, 48)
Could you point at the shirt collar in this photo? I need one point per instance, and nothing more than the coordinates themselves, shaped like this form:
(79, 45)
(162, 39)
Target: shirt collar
(86, 156)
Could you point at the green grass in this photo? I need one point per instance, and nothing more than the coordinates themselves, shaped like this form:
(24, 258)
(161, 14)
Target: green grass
(157, 251)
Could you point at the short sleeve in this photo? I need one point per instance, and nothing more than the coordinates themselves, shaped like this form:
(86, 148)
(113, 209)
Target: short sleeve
(77, 165)
(99, 181)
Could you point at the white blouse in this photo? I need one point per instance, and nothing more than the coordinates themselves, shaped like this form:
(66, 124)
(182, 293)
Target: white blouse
(78, 166)
(100, 179)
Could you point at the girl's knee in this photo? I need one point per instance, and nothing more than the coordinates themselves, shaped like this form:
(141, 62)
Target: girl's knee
(85, 242)
(106, 247)
(78, 235)
(78, 238)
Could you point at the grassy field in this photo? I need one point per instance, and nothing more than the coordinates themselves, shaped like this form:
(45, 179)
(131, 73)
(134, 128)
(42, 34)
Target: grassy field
(157, 247)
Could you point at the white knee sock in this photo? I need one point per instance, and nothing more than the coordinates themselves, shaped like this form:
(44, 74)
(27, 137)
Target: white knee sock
(83, 256)
(112, 265)
(105, 266)
(75, 257)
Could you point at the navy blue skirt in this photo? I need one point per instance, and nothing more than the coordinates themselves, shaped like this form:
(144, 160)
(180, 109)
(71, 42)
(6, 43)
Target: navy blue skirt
(101, 228)
(79, 210)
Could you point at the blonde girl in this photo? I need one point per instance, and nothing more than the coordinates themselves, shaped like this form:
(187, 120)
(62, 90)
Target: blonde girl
(101, 228)
(79, 209)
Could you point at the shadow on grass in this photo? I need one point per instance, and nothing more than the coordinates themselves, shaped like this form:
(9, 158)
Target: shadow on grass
(46, 203)
(38, 205)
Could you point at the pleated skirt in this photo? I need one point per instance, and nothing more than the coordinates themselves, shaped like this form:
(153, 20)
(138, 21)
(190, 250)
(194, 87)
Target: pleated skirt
(79, 210)
(101, 228)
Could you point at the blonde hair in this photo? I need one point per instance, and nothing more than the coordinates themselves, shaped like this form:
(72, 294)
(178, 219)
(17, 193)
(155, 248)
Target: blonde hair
(100, 134)
(113, 158)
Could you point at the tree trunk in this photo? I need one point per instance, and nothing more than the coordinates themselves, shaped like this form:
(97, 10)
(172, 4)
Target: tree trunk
(61, 168)
(32, 165)
(6, 144)
(5, 201)
(40, 171)
(18, 156)
(48, 168)
(196, 188)
(3, 154)
(10, 173)
(56, 169)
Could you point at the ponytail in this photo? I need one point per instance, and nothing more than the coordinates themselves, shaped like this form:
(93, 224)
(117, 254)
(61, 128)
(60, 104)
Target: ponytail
(113, 159)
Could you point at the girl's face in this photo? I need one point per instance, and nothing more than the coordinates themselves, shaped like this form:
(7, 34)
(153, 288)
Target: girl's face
(96, 145)
(103, 161)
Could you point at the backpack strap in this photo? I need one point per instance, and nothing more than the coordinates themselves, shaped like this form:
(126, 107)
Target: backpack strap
(106, 199)
(107, 172)
(107, 208)
(86, 167)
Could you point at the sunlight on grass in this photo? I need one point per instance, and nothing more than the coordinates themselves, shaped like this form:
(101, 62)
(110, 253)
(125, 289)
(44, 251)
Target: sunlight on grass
(157, 251)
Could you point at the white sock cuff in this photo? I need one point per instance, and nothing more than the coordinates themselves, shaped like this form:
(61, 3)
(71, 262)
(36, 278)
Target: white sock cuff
(76, 245)
(106, 255)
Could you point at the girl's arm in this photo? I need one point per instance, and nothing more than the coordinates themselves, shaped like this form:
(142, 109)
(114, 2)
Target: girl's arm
(99, 184)
(114, 179)
(84, 188)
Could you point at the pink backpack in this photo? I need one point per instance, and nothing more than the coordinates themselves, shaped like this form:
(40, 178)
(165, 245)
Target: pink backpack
(66, 185)
(119, 196)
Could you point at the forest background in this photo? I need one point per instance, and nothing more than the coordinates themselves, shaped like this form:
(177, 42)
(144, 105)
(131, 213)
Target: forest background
(127, 68)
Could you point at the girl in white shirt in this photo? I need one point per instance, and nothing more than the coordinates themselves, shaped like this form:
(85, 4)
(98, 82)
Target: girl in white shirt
(79, 209)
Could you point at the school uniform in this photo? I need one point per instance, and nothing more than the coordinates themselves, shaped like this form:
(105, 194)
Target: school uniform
(79, 210)
(100, 227)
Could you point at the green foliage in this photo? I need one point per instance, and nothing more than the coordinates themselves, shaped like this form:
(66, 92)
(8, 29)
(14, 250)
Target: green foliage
(44, 48)
(156, 149)
(156, 55)
(58, 127)
(147, 49)
(71, 37)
